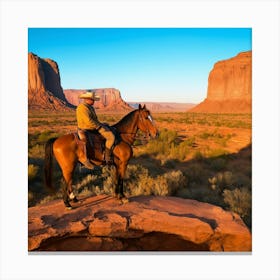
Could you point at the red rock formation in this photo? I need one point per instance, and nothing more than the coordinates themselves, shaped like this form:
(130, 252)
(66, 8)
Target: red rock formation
(110, 99)
(44, 87)
(229, 86)
(146, 223)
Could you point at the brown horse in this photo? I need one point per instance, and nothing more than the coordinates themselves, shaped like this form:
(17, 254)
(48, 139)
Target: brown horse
(68, 152)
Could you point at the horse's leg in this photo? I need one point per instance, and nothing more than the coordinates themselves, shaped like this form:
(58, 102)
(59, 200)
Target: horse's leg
(116, 178)
(68, 194)
(123, 152)
(120, 173)
(67, 168)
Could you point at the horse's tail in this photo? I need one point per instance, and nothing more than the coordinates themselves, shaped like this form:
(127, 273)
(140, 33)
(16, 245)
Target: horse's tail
(48, 166)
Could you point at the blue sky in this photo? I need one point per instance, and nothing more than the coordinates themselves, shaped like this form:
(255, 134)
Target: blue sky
(145, 64)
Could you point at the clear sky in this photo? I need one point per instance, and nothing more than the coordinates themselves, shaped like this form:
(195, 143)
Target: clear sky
(145, 64)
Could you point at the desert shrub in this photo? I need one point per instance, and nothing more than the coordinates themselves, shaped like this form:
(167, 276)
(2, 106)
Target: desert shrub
(149, 186)
(222, 180)
(169, 146)
(99, 183)
(229, 180)
(239, 201)
(32, 171)
(162, 144)
(138, 182)
(86, 183)
(36, 151)
(48, 198)
(157, 148)
(175, 180)
(179, 151)
(108, 176)
(168, 136)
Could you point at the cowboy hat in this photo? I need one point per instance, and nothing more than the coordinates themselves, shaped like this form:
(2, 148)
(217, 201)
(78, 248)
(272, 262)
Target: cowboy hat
(89, 95)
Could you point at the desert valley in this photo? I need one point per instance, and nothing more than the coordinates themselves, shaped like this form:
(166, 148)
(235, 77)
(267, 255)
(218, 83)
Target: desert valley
(201, 160)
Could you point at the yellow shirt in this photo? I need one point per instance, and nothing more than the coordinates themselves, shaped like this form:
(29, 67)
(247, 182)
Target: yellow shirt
(86, 117)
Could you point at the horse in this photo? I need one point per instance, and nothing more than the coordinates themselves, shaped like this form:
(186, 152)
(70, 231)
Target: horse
(67, 152)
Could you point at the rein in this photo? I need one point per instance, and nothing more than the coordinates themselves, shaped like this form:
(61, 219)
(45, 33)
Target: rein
(135, 125)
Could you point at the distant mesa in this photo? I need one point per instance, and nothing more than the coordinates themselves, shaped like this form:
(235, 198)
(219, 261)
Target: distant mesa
(46, 93)
(164, 106)
(229, 86)
(110, 99)
(44, 87)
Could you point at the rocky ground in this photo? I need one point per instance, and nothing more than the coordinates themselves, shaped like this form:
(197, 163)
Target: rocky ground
(145, 223)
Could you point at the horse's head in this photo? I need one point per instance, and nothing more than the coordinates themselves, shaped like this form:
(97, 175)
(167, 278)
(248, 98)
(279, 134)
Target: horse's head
(146, 123)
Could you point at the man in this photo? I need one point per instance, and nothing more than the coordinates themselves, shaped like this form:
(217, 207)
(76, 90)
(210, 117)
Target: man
(87, 121)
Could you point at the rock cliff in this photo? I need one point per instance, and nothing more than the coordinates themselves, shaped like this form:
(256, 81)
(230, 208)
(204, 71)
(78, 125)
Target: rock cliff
(110, 99)
(146, 223)
(229, 86)
(44, 87)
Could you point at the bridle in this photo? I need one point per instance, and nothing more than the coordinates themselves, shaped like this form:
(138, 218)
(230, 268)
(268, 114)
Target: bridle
(141, 119)
(146, 131)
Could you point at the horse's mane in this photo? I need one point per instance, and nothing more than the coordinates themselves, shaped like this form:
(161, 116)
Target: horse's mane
(126, 119)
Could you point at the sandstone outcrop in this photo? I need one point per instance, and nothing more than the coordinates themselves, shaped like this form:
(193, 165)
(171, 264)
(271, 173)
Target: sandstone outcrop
(44, 86)
(146, 223)
(110, 99)
(229, 86)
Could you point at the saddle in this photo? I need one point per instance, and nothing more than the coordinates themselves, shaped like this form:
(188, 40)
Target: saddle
(95, 141)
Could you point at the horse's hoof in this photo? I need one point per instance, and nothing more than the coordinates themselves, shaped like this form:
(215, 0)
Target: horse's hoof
(116, 195)
(69, 207)
(76, 200)
(122, 200)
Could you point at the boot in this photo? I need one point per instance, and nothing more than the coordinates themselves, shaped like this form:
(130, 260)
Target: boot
(108, 156)
(86, 162)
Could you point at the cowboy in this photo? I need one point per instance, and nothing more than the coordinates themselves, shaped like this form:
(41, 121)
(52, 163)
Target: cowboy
(88, 121)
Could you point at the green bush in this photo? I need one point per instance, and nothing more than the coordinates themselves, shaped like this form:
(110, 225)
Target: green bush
(239, 201)
(169, 146)
(138, 182)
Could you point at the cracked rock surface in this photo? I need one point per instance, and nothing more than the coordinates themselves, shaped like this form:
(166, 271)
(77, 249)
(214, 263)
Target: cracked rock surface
(145, 223)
